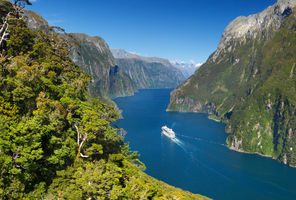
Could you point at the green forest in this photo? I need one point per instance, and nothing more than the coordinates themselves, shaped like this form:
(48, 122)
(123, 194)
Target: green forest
(252, 90)
(56, 141)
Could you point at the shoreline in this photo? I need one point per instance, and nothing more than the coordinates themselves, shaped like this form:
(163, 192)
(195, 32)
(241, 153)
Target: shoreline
(259, 154)
(254, 153)
(239, 150)
(214, 119)
(230, 148)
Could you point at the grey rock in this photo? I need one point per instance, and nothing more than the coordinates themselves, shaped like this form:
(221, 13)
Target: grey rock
(148, 72)
(152, 75)
(93, 56)
(120, 53)
(252, 26)
(34, 20)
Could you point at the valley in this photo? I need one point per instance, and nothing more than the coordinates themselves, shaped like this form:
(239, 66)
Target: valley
(81, 113)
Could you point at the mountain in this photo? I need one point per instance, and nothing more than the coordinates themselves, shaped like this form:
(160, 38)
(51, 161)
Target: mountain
(114, 77)
(148, 72)
(56, 141)
(187, 69)
(122, 54)
(34, 20)
(94, 57)
(249, 83)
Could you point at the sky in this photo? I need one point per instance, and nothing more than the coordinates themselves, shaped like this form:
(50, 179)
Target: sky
(188, 30)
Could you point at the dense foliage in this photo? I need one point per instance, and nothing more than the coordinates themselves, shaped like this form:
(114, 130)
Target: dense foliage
(56, 142)
(252, 89)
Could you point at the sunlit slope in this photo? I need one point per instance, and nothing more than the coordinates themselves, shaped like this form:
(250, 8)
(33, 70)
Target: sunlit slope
(249, 83)
(57, 142)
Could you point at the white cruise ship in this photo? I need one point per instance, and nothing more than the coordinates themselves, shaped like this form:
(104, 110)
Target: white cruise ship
(168, 132)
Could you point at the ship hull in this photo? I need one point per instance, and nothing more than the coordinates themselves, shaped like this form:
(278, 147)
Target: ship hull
(168, 132)
(170, 136)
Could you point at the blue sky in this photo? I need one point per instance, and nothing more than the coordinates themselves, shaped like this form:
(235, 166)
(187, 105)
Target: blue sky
(173, 29)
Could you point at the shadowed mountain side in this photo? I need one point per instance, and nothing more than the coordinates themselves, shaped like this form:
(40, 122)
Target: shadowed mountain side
(148, 72)
(93, 56)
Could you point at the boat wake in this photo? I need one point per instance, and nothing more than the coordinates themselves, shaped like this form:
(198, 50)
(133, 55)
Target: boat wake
(178, 142)
(190, 150)
(201, 139)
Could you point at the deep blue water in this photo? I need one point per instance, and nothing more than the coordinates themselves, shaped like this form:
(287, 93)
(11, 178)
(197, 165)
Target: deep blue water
(200, 161)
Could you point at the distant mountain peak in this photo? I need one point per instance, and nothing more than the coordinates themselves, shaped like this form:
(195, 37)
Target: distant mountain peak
(252, 26)
(122, 54)
(181, 62)
(186, 68)
(249, 83)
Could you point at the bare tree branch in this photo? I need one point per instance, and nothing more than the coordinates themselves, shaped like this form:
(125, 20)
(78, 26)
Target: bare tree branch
(80, 144)
(83, 156)
(78, 134)
(4, 29)
(18, 8)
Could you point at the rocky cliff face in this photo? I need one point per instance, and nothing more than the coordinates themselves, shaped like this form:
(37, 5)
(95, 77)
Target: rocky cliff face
(34, 20)
(94, 57)
(115, 77)
(249, 83)
(260, 25)
(122, 54)
(148, 72)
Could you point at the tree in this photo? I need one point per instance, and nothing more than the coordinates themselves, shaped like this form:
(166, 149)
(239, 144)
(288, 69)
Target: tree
(19, 6)
(14, 15)
(57, 142)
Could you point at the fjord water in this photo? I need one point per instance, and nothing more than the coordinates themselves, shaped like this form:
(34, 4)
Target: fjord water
(199, 161)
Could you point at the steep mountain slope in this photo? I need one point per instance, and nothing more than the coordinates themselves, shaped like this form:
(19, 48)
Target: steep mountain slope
(121, 53)
(35, 21)
(250, 83)
(148, 72)
(114, 77)
(93, 56)
(56, 142)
